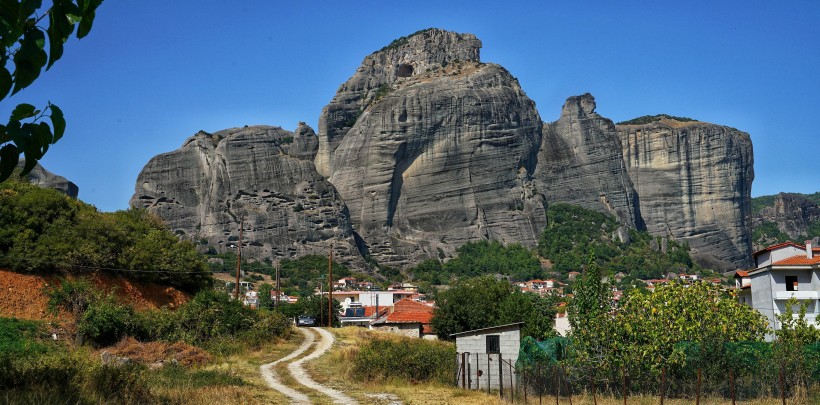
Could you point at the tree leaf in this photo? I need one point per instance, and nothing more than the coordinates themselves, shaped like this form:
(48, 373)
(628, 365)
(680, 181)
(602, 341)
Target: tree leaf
(5, 82)
(57, 121)
(9, 155)
(88, 8)
(23, 111)
(29, 59)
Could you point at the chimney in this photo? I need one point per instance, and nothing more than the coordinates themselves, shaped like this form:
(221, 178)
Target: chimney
(808, 249)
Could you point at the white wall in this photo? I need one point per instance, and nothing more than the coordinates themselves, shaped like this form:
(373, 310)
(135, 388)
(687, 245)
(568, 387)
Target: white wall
(476, 345)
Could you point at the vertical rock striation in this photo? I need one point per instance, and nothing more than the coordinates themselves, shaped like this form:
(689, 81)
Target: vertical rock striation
(441, 154)
(260, 173)
(580, 163)
(694, 183)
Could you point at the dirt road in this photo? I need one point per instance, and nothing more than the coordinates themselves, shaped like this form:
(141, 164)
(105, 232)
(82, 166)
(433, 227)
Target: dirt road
(298, 372)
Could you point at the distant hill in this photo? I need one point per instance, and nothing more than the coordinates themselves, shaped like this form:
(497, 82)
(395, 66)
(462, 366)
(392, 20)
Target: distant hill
(785, 216)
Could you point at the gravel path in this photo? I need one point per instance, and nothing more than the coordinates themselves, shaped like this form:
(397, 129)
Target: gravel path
(302, 376)
(273, 381)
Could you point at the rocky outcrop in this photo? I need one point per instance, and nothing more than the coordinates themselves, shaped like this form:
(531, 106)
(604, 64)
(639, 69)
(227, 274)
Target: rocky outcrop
(407, 57)
(794, 215)
(425, 148)
(580, 163)
(263, 175)
(46, 179)
(693, 181)
(441, 154)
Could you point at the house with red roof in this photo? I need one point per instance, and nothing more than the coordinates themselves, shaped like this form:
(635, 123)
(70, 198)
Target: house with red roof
(408, 317)
(783, 271)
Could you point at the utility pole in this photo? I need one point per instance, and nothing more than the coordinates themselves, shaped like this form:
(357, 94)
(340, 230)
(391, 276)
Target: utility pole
(330, 287)
(239, 255)
(278, 291)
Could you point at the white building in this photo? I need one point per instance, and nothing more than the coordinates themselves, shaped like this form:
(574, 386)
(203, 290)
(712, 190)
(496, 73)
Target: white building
(785, 271)
(486, 357)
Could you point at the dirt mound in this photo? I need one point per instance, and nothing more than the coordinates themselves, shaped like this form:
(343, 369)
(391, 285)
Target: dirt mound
(154, 352)
(22, 295)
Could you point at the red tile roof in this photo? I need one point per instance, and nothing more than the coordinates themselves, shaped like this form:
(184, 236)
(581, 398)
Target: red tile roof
(797, 261)
(742, 273)
(409, 311)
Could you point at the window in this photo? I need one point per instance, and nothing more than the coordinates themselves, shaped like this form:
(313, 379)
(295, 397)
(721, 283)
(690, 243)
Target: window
(493, 344)
(791, 283)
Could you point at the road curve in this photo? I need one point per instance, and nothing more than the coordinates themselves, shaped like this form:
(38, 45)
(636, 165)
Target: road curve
(269, 373)
(302, 376)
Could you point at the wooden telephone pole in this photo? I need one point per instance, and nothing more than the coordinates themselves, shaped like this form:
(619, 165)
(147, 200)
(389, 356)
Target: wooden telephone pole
(278, 291)
(239, 256)
(330, 287)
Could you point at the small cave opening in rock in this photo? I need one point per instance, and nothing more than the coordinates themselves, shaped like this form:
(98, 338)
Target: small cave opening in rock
(404, 70)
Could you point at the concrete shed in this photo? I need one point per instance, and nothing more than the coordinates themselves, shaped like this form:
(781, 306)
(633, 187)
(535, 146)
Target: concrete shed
(486, 357)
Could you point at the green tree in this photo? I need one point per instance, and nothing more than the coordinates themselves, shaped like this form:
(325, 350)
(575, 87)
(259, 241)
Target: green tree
(491, 257)
(484, 301)
(590, 317)
(316, 306)
(680, 324)
(24, 41)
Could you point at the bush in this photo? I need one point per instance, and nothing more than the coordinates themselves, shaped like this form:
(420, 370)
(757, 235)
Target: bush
(413, 360)
(269, 325)
(105, 322)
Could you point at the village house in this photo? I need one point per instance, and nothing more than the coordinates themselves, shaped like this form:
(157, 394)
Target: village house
(783, 271)
(409, 318)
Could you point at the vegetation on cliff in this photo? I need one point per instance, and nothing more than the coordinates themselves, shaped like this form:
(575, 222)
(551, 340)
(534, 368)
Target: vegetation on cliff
(573, 233)
(648, 119)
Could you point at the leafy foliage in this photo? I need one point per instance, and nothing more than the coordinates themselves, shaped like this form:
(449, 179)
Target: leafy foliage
(678, 326)
(44, 231)
(484, 301)
(24, 41)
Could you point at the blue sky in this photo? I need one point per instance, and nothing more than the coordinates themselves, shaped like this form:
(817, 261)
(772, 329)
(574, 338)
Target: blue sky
(151, 73)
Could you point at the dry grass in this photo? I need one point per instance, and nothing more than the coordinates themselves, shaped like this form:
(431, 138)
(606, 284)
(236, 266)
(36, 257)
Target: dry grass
(254, 390)
(335, 370)
(152, 352)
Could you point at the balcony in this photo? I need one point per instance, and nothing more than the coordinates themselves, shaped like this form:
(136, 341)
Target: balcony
(800, 295)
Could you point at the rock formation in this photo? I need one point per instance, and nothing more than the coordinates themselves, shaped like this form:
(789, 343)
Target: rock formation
(580, 163)
(263, 174)
(425, 148)
(440, 149)
(694, 182)
(793, 214)
(46, 179)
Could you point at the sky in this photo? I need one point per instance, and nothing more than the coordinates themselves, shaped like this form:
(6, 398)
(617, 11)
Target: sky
(153, 72)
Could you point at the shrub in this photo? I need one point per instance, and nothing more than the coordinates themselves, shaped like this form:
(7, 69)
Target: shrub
(407, 359)
(105, 322)
(270, 325)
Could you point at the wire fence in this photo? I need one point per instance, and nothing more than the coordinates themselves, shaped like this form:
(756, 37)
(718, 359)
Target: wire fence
(549, 381)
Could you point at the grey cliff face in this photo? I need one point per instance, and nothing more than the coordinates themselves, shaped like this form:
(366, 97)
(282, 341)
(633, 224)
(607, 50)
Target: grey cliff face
(443, 157)
(264, 174)
(580, 163)
(425, 148)
(46, 179)
(403, 58)
(694, 183)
